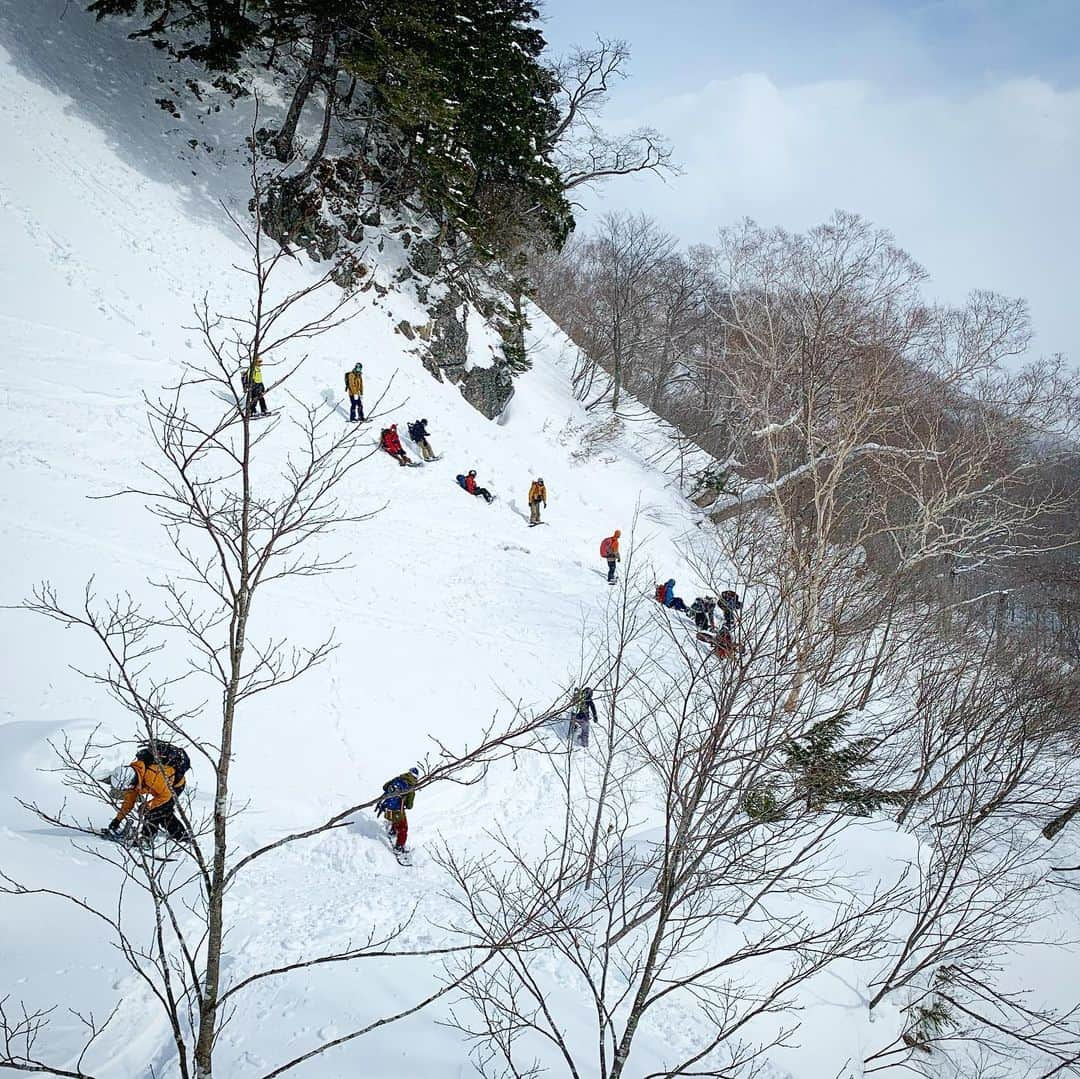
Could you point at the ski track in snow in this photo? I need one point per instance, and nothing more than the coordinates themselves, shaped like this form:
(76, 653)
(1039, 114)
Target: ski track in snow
(448, 606)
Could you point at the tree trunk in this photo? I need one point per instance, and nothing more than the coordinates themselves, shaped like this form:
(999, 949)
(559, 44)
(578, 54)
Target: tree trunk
(1061, 820)
(328, 112)
(320, 46)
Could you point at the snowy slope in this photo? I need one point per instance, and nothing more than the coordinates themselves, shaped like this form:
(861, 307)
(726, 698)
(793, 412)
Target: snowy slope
(449, 612)
(111, 232)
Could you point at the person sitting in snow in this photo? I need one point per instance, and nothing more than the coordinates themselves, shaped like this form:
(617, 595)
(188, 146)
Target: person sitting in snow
(665, 593)
(391, 442)
(155, 783)
(537, 494)
(354, 387)
(582, 709)
(468, 482)
(418, 432)
(724, 646)
(398, 796)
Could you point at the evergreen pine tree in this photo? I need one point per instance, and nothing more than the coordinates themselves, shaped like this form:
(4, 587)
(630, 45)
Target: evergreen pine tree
(824, 766)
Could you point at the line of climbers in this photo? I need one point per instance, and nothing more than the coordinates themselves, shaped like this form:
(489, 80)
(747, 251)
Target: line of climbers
(158, 773)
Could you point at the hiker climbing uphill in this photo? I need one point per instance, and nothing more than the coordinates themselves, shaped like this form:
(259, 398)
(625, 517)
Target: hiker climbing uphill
(398, 796)
(354, 387)
(156, 776)
(391, 443)
(418, 432)
(256, 390)
(537, 495)
(609, 549)
(468, 483)
(582, 710)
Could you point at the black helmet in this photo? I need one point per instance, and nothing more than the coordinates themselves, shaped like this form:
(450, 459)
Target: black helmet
(424, 422)
(472, 472)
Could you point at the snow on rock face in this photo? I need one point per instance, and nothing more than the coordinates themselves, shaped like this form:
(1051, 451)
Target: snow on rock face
(445, 607)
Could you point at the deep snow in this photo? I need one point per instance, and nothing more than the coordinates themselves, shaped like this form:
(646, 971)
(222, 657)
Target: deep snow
(451, 612)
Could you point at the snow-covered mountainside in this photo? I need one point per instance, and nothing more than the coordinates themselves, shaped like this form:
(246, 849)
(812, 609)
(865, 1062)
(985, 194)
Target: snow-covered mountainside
(447, 612)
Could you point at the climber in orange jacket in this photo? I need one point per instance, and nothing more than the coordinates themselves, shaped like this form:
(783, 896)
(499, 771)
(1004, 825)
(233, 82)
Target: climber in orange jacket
(609, 549)
(157, 784)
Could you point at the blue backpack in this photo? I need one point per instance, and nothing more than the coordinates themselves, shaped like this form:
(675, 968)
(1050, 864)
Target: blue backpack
(461, 482)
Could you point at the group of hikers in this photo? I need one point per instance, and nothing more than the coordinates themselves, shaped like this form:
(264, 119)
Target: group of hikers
(703, 612)
(159, 771)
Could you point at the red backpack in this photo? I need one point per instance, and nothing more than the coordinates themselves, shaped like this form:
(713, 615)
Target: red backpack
(660, 589)
(605, 548)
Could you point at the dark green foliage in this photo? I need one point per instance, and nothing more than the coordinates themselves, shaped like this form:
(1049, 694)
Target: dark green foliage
(824, 764)
(465, 108)
(762, 805)
(462, 81)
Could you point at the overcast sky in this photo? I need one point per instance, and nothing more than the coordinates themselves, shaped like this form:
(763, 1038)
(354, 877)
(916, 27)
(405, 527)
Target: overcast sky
(954, 123)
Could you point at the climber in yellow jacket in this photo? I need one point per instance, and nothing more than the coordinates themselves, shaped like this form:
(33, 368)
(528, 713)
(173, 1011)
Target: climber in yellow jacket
(537, 494)
(354, 387)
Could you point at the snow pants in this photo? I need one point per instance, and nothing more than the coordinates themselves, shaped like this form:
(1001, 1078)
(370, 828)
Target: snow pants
(256, 397)
(356, 408)
(164, 817)
(484, 493)
(398, 824)
(425, 450)
(534, 513)
(611, 569)
(579, 722)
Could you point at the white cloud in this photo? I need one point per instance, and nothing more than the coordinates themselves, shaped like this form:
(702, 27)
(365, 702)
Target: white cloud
(980, 186)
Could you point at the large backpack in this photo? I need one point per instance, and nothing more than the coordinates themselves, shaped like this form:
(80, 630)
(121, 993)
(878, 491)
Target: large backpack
(165, 753)
(605, 548)
(659, 593)
(461, 482)
(414, 432)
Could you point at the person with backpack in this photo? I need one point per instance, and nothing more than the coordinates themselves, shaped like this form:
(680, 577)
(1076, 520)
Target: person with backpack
(256, 391)
(398, 796)
(666, 594)
(537, 494)
(609, 549)
(730, 605)
(391, 443)
(724, 646)
(156, 775)
(703, 610)
(582, 709)
(418, 432)
(468, 483)
(354, 387)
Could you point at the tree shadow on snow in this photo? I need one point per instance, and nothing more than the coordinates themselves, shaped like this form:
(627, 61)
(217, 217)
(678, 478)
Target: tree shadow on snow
(107, 79)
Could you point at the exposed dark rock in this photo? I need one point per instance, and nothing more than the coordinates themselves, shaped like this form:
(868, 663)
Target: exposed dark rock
(488, 389)
(449, 337)
(404, 327)
(426, 258)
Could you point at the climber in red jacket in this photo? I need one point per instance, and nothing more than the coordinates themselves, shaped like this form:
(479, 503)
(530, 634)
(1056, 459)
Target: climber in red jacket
(390, 442)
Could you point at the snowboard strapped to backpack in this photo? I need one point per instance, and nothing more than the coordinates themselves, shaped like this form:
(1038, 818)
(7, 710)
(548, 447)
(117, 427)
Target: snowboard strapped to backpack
(167, 754)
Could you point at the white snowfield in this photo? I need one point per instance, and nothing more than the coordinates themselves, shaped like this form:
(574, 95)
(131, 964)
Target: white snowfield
(448, 612)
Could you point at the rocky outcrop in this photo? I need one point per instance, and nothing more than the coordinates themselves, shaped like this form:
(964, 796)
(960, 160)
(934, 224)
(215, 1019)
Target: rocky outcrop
(489, 389)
